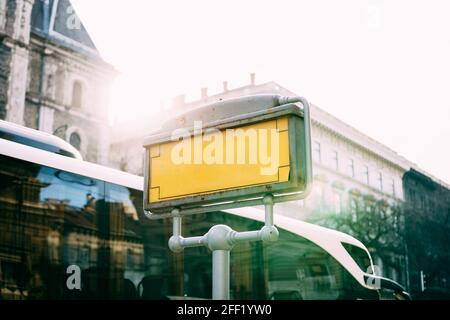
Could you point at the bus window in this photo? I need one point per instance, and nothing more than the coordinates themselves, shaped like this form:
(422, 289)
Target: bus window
(48, 222)
(299, 266)
(140, 259)
(360, 256)
(66, 236)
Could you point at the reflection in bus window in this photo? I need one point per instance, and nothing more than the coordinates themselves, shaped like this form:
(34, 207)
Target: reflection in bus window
(52, 221)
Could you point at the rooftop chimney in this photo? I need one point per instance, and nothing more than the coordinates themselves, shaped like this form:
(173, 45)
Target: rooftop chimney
(204, 93)
(252, 79)
(225, 86)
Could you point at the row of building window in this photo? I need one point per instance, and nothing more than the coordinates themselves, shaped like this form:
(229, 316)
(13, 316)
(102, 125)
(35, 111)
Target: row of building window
(351, 169)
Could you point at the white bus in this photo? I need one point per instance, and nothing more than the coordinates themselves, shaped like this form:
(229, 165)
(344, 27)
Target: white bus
(70, 229)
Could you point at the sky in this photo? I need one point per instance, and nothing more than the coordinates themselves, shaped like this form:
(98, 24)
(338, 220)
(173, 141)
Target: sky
(383, 67)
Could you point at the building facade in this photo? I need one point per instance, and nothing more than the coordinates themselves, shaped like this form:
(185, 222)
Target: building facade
(52, 77)
(427, 228)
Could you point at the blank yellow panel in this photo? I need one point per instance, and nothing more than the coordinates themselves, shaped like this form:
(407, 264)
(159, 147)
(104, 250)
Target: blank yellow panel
(284, 156)
(283, 173)
(154, 193)
(282, 124)
(238, 161)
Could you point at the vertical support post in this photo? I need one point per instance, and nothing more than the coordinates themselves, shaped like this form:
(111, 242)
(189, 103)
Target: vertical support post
(221, 275)
(220, 239)
(268, 210)
(176, 227)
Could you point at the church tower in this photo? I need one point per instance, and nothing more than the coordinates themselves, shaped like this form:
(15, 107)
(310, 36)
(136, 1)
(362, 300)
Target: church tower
(52, 77)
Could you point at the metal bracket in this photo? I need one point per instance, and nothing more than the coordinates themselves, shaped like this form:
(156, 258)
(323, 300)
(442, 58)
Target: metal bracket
(221, 239)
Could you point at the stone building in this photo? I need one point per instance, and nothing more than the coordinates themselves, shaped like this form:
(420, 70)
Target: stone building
(52, 77)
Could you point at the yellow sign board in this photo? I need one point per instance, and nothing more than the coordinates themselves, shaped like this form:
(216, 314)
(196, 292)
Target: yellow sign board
(233, 158)
(229, 154)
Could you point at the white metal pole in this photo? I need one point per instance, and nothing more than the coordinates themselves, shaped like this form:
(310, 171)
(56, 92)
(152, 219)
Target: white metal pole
(221, 275)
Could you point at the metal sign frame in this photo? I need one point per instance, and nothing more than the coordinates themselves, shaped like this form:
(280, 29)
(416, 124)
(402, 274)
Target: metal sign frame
(299, 137)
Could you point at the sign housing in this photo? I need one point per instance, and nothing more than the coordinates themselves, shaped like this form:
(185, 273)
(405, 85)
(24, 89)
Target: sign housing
(229, 154)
